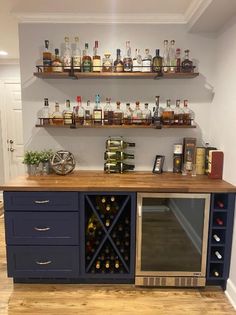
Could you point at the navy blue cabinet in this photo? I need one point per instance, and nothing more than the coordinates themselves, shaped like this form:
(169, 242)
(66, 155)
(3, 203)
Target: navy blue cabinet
(220, 238)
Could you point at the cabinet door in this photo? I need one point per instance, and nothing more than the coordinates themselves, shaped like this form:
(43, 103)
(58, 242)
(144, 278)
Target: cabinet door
(41, 201)
(43, 261)
(47, 228)
(108, 236)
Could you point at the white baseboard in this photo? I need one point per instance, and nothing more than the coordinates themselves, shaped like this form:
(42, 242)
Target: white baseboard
(230, 292)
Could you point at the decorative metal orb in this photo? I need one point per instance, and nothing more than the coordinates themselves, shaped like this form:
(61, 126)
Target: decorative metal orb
(62, 162)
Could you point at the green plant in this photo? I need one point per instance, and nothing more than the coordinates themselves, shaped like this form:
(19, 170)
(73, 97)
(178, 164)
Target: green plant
(31, 158)
(45, 155)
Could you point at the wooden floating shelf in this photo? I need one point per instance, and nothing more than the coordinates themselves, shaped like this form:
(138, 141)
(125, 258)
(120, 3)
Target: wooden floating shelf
(118, 126)
(114, 75)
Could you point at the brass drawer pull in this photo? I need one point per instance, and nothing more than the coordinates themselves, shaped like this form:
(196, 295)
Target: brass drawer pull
(44, 262)
(41, 201)
(42, 229)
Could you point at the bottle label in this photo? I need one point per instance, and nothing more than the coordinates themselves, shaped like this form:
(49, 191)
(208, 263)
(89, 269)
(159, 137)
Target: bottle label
(96, 65)
(119, 67)
(57, 66)
(67, 62)
(76, 62)
(87, 66)
(137, 66)
(146, 65)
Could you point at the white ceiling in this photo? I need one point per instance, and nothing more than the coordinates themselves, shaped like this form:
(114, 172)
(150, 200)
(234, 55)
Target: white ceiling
(198, 15)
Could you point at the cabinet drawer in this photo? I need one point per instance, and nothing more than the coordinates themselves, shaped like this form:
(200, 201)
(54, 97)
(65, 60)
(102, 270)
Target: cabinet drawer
(41, 201)
(48, 228)
(43, 261)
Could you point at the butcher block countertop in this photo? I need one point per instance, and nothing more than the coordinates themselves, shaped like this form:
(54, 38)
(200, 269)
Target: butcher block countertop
(132, 181)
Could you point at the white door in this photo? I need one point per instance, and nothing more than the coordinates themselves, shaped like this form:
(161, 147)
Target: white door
(13, 149)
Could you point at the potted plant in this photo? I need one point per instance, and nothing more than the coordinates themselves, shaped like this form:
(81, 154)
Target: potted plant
(32, 160)
(45, 157)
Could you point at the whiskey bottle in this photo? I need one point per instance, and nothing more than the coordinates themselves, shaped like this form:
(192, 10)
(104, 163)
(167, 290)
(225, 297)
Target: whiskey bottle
(57, 116)
(187, 64)
(127, 120)
(157, 63)
(45, 113)
(166, 57)
(168, 114)
(88, 117)
(137, 61)
(118, 63)
(178, 114)
(157, 114)
(172, 57)
(178, 60)
(86, 60)
(147, 62)
(80, 111)
(188, 114)
(68, 114)
(66, 59)
(117, 156)
(108, 112)
(96, 59)
(97, 111)
(146, 115)
(77, 56)
(128, 64)
(137, 114)
(47, 57)
(117, 167)
(118, 115)
(57, 63)
(107, 62)
(117, 144)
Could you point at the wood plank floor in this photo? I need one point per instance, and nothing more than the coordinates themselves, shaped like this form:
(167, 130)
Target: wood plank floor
(33, 299)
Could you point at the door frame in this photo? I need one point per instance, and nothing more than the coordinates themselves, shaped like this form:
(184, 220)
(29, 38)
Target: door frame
(3, 101)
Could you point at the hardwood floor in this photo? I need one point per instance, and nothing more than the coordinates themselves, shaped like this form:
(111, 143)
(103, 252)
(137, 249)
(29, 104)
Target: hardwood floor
(33, 299)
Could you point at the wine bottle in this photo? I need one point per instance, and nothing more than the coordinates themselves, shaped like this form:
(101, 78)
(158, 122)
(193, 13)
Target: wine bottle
(220, 204)
(118, 144)
(107, 223)
(127, 220)
(108, 208)
(117, 264)
(218, 254)
(103, 199)
(107, 250)
(215, 273)
(112, 199)
(117, 156)
(219, 221)
(107, 264)
(117, 167)
(216, 238)
(98, 264)
(92, 225)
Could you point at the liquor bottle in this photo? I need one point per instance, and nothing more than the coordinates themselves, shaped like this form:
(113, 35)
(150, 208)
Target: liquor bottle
(96, 59)
(117, 144)
(118, 115)
(66, 59)
(216, 238)
(118, 63)
(218, 255)
(77, 56)
(68, 114)
(117, 156)
(80, 111)
(166, 57)
(45, 112)
(47, 57)
(117, 167)
(57, 63)
(188, 114)
(107, 62)
(219, 221)
(97, 111)
(147, 62)
(157, 114)
(168, 114)
(88, 117)
(157, 63)
(146, 115)
(178, 114)
(137, 114)
(187, 64)
(57, 117)
(128, 64)
(86, 60)
(177, 158)
(172, 57)
(178, 60)
(127, 115)
(108, 112)
(137, 61)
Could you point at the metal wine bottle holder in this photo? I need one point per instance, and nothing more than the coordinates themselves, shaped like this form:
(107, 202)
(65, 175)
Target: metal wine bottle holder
(62, 162)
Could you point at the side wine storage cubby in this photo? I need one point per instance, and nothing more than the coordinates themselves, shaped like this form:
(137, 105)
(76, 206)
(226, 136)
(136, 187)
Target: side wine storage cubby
(107, 237)
(220, 238)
